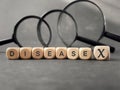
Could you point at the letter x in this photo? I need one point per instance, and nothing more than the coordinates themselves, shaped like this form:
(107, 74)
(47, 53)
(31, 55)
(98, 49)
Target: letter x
(101, 53)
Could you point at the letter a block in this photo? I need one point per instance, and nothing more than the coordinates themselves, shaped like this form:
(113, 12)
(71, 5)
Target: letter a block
(49, 52)
(72, 53)
(85, 53)
(102, 52)
(37, 52)
(61, 52)
(25, 53)
(12, 53)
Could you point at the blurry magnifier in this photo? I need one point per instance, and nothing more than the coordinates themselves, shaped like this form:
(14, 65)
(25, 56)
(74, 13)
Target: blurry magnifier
(90, 21)
(66, 29)
(25, 32)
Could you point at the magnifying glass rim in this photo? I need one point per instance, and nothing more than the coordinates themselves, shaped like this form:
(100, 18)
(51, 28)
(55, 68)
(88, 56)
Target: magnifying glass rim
(54, 11)
(40, 35)
(103, 16)
(19, 22)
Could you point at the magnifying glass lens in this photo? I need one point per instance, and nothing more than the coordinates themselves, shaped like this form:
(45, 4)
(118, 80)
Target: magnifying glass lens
(26, 32)
(67, 29)
(88, 17)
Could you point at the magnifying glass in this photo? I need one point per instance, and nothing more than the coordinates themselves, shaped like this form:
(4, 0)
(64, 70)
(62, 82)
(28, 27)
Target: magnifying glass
(66, 28)
(25, 32)
(90, 20)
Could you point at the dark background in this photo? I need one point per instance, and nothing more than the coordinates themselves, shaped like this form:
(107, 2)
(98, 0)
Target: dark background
(54, 74)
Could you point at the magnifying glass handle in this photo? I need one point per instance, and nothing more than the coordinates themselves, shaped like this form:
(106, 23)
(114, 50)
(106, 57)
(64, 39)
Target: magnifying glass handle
(112, 36)
(6, 42)
(94, 43)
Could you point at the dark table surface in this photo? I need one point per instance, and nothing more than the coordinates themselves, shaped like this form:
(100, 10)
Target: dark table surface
(59, 74)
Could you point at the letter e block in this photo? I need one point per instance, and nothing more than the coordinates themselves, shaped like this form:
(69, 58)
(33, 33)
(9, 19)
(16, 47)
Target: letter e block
(85, 53)
(49, 52)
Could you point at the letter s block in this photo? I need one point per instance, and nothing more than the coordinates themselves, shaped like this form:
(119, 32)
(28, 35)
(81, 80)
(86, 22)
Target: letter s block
(37, 53)
(102, 52)
(72, 53)
(12, 53)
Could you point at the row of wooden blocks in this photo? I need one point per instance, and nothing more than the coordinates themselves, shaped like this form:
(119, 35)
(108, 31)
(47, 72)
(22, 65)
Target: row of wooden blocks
(84, 53)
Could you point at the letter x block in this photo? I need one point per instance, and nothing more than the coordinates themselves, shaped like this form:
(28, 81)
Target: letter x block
(102, 52)
(49, 52)
(12, 53)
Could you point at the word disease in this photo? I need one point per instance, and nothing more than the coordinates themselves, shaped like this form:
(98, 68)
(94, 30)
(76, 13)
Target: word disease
(72, 53)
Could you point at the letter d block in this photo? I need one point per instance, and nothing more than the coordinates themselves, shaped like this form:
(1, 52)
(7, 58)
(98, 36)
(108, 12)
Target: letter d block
(102, 52)
(25, 53)
(49, 52)
(12, 53)
(72, 53)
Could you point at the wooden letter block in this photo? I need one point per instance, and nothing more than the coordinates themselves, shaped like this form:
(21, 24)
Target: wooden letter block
(61, 52)
(12, 53)
(25, 53)
(49, 52)
(85, 53)
(72, 53)
(37, 52)
(102, 52)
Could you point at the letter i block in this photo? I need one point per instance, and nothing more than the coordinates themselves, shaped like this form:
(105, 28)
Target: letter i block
(72, 53)
(12, 53)
(49, 52)
(37, 52)
(25, 53)
(85, 53)
(102, 52)
(61, 52)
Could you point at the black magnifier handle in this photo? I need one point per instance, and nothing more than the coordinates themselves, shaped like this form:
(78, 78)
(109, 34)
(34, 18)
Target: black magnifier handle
(6, 41)
(94, 43)
(112, 36)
